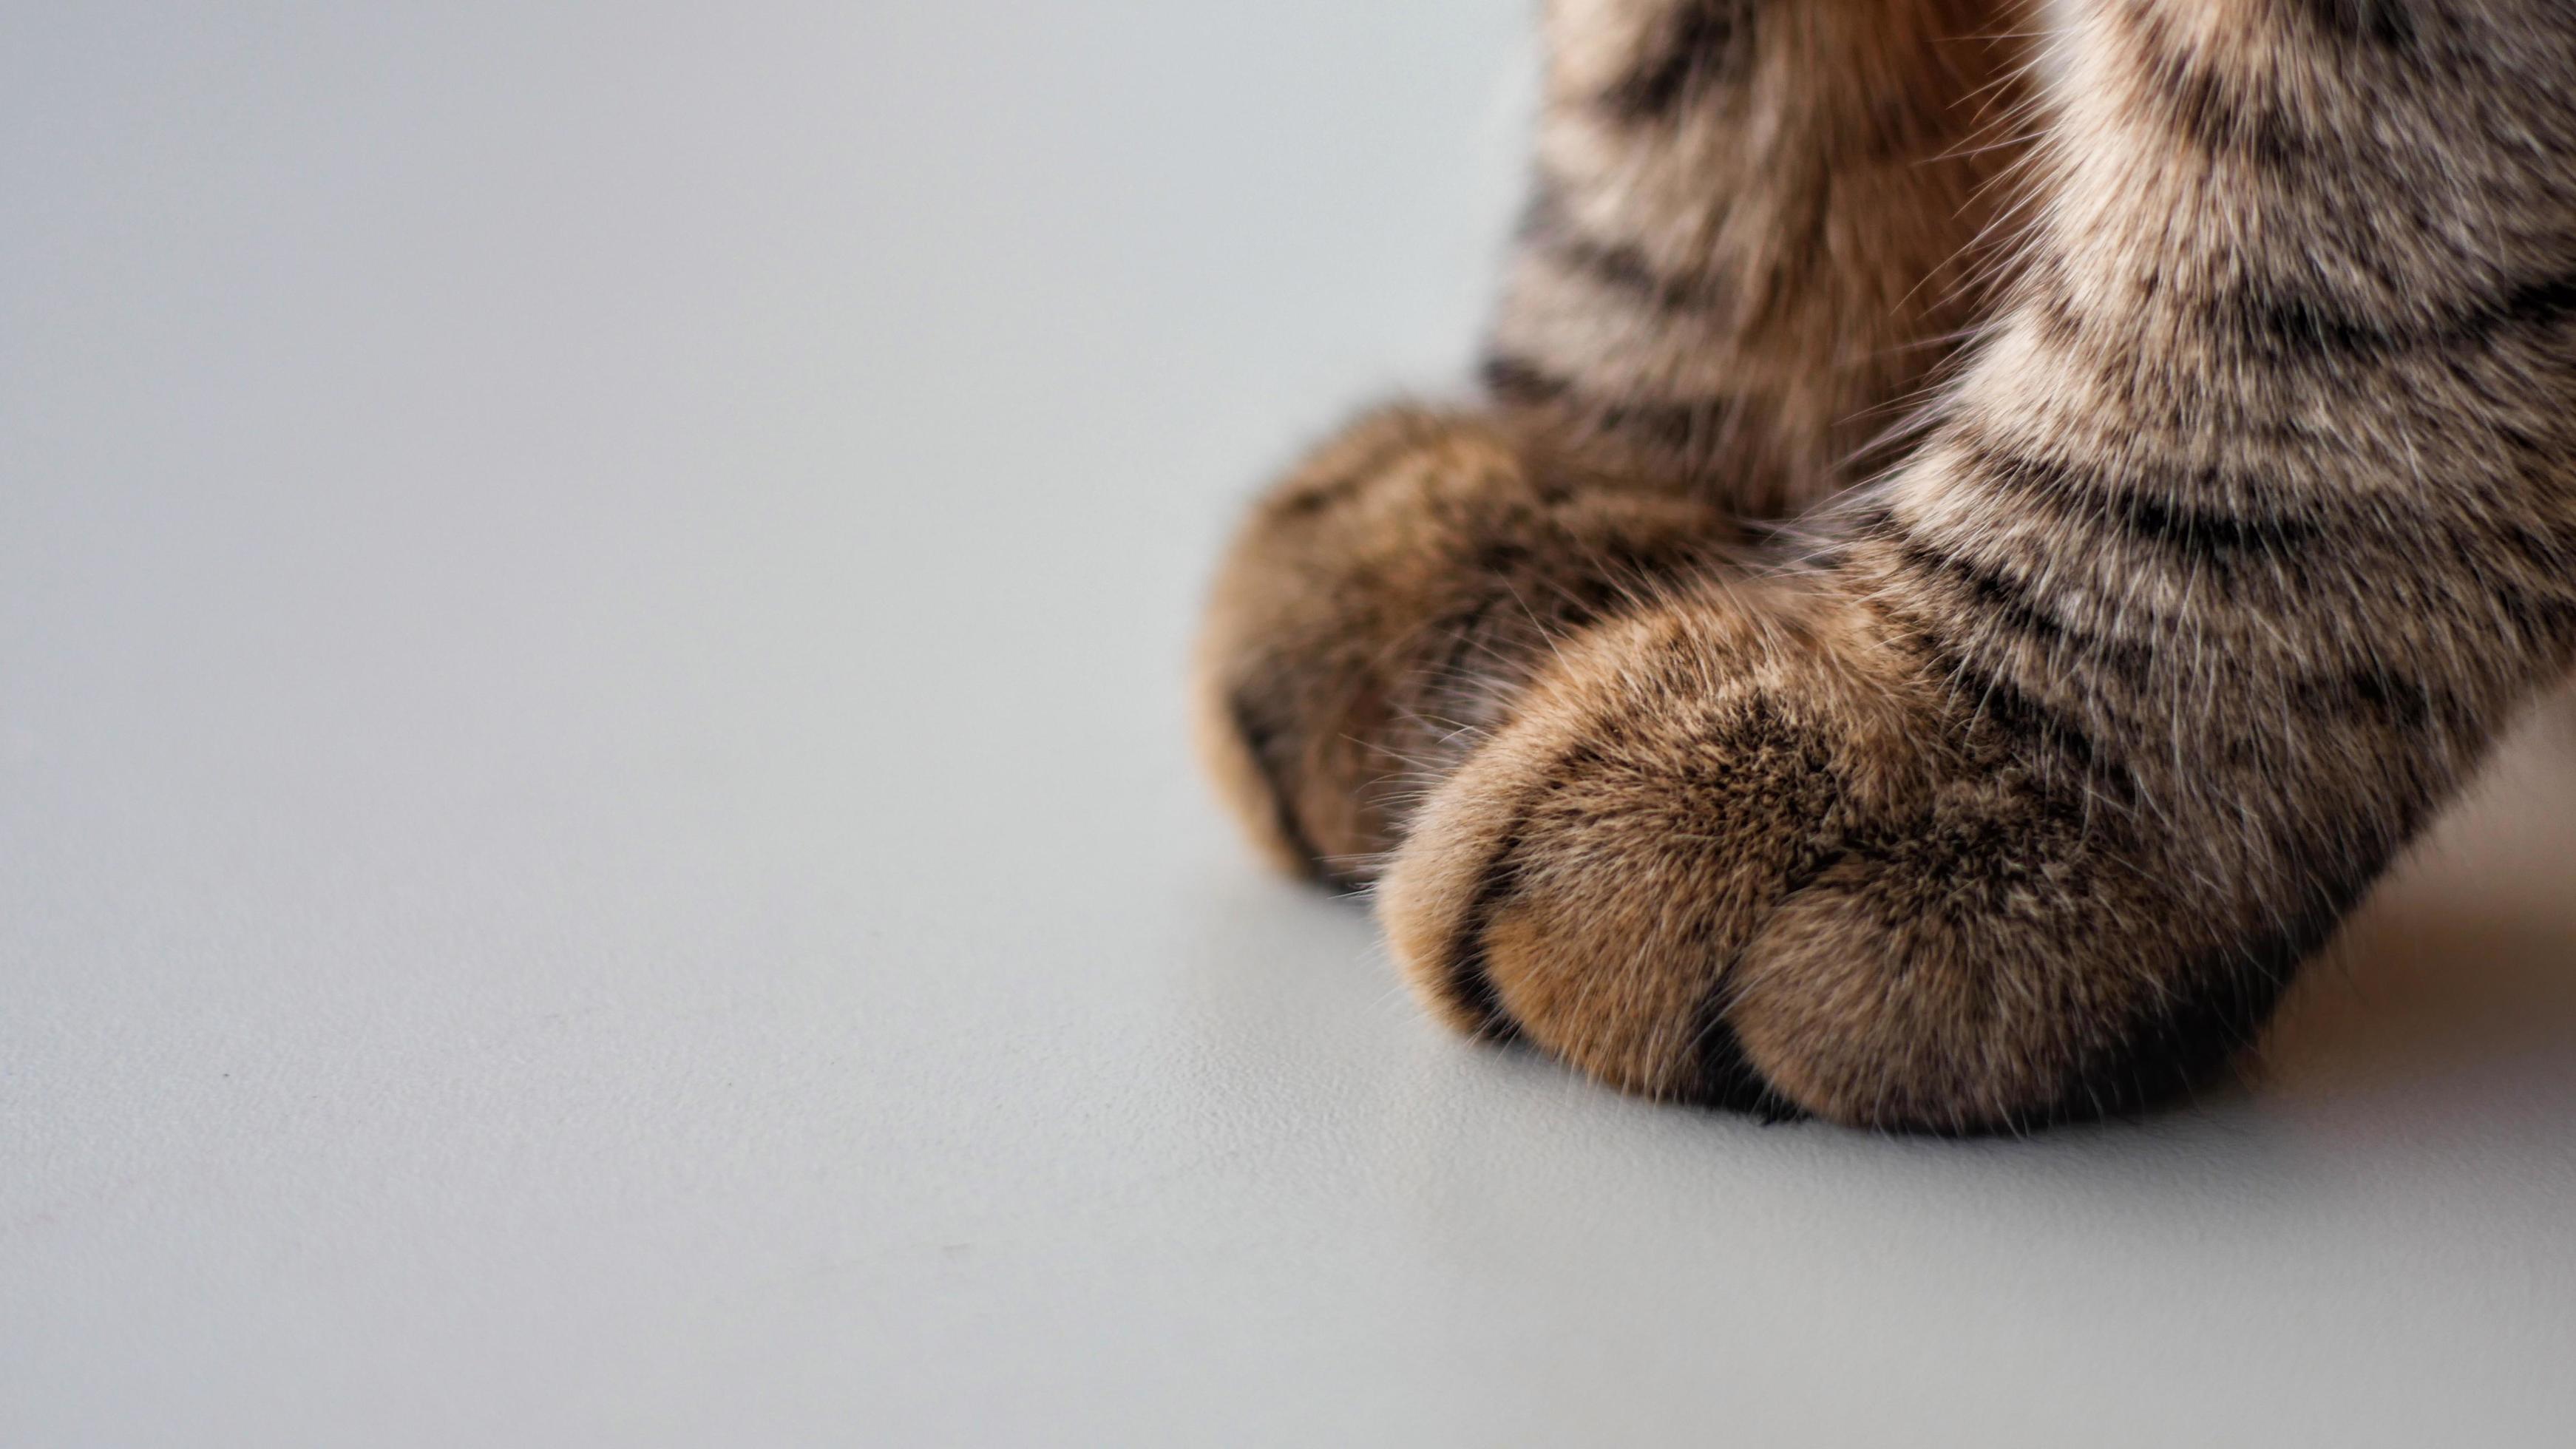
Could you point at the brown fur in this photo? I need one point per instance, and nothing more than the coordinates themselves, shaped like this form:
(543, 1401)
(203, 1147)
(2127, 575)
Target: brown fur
(1751, 232)
(1387, 598)
(2241, 536)
(1401, 582)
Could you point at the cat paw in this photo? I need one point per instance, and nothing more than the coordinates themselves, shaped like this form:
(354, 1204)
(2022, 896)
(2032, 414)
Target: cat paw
(1384, 597)
(1748, 849)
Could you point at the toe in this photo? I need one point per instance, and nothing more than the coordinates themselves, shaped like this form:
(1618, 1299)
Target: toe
(1589, 877)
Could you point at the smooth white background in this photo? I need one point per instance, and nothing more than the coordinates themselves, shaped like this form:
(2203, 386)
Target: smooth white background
(596, 844)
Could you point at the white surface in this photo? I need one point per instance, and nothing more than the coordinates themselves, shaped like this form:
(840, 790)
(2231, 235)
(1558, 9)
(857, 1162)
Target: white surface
(595, 845)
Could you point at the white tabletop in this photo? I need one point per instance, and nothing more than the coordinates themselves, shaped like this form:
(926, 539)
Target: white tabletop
(596, 845)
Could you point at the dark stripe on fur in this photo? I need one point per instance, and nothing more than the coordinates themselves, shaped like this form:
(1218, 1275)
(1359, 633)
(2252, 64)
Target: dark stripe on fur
(1522, 382)
(2413, 706)
(2384, 23)
(2305, 324)
(2145, 510)
(2545, 622)
(2021, 720)
(1705, 43)
(2220, 115)
(2214, 115)
(1619, 266)
(1327, 493)
(2007, 602)
(1679, 427)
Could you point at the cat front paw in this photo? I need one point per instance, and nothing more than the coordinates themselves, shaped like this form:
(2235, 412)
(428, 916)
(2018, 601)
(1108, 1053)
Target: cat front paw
(1744, 850)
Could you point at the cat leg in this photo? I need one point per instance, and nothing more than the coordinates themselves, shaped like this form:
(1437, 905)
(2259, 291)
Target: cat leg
(1753, 231)
(1754, 200)
(2235, 547)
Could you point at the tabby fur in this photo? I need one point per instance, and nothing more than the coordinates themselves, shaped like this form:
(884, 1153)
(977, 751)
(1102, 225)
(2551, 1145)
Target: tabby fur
(2020, 789)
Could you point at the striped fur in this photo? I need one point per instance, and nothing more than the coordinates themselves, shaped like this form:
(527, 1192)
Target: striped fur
(1399, 585)
(1750, 235)
(2238, 539)
(1389, 597)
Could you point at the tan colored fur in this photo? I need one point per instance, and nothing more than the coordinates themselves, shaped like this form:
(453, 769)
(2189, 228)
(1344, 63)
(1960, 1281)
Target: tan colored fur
(1799, 256)
(1751, 236)
(1388, 597)
(2243, 532)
